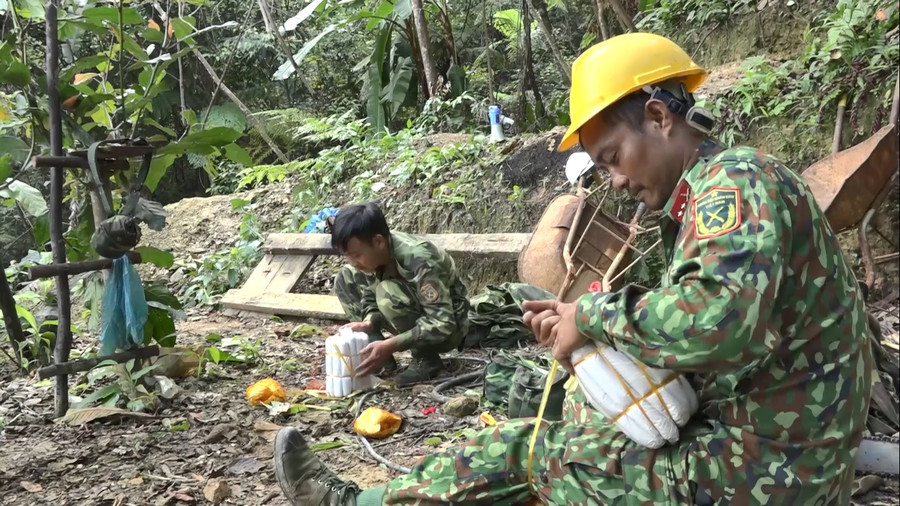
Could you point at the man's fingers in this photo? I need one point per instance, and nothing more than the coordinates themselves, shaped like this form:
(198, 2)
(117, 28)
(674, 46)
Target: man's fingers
(539, 306)
(538, 320)
(365, 367)
(548, 325)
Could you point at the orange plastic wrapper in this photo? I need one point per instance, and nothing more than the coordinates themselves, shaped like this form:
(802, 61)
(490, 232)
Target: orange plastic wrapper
(265, 391)
(377, 423)
(487, 419)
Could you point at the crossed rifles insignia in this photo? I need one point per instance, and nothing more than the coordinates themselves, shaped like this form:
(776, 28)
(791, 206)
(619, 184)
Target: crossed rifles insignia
(717, 212)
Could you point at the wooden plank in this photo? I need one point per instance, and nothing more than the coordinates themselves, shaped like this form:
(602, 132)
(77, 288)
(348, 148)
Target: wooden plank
(277, 273)
(256, 282)
(290, 271)
(503, 246)
(326, 307)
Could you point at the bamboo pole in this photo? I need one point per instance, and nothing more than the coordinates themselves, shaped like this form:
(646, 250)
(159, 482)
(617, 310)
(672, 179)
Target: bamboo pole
(66, 368)
(57, 178)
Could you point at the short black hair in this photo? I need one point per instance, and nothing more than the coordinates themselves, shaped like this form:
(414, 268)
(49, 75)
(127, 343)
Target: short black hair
(362, 221)
(628, 110)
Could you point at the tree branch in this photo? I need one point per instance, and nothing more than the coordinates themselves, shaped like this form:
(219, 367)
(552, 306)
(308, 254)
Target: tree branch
(256, 121)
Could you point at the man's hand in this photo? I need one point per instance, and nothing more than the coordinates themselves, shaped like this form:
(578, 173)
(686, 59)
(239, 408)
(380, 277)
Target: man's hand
(375, 355)
(364, 327)
(553, 324)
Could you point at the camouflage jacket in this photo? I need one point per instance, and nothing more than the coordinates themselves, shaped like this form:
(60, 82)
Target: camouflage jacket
(423, 269)
(758, 302)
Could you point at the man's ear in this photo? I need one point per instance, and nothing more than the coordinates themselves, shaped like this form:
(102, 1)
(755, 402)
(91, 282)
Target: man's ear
(379, 241)
(658, 117)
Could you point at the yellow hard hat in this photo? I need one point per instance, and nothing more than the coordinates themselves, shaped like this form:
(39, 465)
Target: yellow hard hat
(618, 66)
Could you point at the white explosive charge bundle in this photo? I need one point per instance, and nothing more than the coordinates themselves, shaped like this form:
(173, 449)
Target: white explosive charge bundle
(649, 405)
(341, 361)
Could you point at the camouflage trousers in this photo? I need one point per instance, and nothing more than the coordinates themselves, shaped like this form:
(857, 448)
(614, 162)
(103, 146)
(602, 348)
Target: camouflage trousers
(398, 304)
(578, 460)
(584, 460)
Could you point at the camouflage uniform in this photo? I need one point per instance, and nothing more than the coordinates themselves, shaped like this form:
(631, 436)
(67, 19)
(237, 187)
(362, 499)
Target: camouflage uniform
(420, 300)
(760, 307)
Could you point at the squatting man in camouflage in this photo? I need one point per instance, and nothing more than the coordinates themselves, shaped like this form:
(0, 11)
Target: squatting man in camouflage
(400, 283)
(758, 307)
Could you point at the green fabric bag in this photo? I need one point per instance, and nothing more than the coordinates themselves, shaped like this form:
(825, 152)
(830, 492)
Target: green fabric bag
(495, 316)
(515, 380)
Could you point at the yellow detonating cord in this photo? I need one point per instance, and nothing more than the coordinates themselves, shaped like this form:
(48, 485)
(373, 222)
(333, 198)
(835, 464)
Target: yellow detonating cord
(537, 422)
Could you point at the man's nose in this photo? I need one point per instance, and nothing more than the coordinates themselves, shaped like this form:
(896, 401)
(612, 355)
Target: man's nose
(619, 182)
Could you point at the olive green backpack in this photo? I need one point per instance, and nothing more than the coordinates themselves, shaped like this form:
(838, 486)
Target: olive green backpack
(515, 380)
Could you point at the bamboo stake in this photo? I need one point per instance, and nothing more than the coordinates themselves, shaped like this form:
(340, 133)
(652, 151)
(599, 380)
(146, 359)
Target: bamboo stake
(57, 241)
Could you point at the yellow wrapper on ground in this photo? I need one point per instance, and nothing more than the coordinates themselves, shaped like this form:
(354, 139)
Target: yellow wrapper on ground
(487, 419)
(377, 423)
(265, 391)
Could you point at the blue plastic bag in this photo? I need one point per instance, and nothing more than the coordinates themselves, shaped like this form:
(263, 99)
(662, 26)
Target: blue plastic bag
(124, 309)
(316, 223)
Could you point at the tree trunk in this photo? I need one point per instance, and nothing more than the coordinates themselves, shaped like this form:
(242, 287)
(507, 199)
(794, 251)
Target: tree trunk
(544, 21)
(487, 49)
(431, 74)
(11, 318)
(626, 20)
(528, 79)
(273, 31)
(63, 344)
(599, 11)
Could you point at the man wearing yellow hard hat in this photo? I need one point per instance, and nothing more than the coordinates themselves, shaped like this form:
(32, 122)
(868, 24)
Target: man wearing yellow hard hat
(757, 305)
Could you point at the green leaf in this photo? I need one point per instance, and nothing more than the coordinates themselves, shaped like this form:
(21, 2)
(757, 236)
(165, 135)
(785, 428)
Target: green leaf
(151, 35)
(160, 293)
(201, 141)
(27, 196)
(226, 115)
(6, 166)
(27, 316)
(287, 68)
(213, 338)
(156, 257)
(433, 441)
(182, 28)
(384, 10)
(178, 427)
(32, 9)
(237, 154)
(158, 168)
(326, 446)
(239, 203)
(103, 393)
(15, 148)
(293, 22)
(15, 73)
(160, 327)
(152, 122)
(134, 48)
(143, 372)
(374, 109)
(402, 9)
(42, 229)
(98, 15)
(394, 94)
(218, 356)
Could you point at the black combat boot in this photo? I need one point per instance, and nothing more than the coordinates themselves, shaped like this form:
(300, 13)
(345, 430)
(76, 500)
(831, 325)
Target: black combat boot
(424, 367)
(304, 479)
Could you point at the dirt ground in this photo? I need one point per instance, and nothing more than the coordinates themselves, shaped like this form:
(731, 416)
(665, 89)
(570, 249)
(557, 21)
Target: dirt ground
(148, 461)
(165, 461)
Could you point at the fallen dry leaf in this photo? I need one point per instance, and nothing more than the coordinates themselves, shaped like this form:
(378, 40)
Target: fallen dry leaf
(216, 491)
(85, 415)
(136, 481)
(31, 487)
